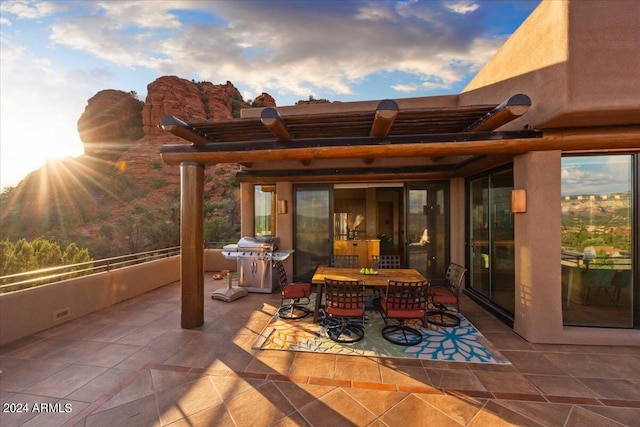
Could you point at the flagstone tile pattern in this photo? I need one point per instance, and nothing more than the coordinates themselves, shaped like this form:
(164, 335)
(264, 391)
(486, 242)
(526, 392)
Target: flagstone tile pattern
(133, 365)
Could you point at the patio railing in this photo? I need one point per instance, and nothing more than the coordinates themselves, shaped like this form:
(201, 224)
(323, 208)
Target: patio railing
(29, 279)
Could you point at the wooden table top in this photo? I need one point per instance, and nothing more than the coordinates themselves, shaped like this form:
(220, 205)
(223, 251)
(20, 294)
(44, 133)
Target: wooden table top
(378, 280)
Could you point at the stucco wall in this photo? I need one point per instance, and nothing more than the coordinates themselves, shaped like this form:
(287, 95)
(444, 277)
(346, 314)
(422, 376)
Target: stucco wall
(538, 246)
(577, 60)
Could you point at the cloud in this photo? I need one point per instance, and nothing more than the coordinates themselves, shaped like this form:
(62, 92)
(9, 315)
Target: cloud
(595, 175)
(411, 87)
(289, 47)
(462, 6)
(30, 9)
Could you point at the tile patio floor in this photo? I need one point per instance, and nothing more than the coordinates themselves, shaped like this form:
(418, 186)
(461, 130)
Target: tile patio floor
(133, 365)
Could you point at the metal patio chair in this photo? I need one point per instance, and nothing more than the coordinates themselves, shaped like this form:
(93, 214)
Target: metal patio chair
(294, 296)
(386, 261)
(344, 307)
(444, 294)
(403, 301)
(349, 261)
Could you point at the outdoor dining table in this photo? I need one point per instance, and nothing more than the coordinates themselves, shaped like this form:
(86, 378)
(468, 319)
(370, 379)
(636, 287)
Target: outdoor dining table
(378, 280)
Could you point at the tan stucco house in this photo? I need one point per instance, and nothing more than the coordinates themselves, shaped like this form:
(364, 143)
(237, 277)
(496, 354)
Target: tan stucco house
(554, 115)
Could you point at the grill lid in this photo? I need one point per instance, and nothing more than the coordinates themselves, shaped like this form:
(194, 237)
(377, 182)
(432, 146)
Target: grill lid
(258, 244)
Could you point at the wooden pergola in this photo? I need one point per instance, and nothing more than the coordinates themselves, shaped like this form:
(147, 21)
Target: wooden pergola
(385, 131)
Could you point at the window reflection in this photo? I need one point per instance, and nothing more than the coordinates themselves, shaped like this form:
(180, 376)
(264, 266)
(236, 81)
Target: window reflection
(597, 233)
(264, 219)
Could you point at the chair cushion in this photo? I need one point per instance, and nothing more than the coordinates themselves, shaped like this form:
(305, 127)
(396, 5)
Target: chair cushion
(296, 290)
(345, 312)
(405, 314)
(442, 295)
(412, 312)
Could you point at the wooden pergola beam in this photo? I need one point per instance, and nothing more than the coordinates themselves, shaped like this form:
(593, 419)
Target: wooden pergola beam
(386, 113)
(271, 119)
(624, 138)
(509, 110)
(179, 128)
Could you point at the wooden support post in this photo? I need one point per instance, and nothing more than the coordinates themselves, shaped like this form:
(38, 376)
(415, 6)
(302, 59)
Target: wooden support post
(192, 244)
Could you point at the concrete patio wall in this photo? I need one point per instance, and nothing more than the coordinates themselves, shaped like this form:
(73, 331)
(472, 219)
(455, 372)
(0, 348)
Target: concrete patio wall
(29, 311)
(25, 312)
(214, 261)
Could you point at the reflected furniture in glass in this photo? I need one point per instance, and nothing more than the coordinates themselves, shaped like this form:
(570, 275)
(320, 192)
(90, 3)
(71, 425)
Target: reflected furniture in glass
(621, 280)
(599, 279)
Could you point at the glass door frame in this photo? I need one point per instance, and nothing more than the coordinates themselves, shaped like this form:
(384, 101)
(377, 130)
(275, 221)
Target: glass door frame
(442, 264)
(484, 300)
(405, 241)
(296, 259)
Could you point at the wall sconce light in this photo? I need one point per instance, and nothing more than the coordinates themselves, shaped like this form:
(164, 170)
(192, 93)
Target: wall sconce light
(518, 201)
(282, 206)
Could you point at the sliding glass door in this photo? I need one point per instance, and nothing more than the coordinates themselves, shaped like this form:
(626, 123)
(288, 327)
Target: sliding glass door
(312, 228)
(427, 224)
(491, 251)
(419, 219)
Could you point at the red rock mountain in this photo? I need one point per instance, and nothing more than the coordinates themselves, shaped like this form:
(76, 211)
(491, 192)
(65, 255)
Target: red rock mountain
(103, 199)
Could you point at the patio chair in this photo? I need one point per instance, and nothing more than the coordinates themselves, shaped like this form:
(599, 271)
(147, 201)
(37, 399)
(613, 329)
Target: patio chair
(443, 294)
(403, 301)
(294, 295)
(621, 280)
(382, 262)
(344, 307)
(348, 261)
(385, 261)
(599, 278)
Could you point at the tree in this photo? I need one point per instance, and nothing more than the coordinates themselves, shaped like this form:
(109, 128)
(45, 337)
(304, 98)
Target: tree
(218, 230)
(24, 255)
(74, 255)
(46, 252)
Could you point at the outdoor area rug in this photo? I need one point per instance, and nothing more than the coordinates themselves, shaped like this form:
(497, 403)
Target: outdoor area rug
(463, 343)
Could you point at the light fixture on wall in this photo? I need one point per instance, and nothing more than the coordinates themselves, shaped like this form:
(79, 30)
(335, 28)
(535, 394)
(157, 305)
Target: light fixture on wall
(518, 201)
(282, 206)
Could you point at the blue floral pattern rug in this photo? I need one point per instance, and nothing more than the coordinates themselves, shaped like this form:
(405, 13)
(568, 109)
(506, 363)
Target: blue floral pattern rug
(463, 343)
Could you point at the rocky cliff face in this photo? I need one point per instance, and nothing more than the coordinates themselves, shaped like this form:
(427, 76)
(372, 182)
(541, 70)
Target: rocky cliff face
(115, 118)
(121, 185)
(110, 122)
(191, 101)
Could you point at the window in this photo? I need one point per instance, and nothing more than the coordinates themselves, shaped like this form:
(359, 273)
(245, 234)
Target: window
(597, 203)
(264, 218)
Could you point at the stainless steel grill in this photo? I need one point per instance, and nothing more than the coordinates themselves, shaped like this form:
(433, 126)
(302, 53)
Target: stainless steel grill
(255, 257)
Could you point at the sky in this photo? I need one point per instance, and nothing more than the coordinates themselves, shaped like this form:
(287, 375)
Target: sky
(55, 55)
(596, 175)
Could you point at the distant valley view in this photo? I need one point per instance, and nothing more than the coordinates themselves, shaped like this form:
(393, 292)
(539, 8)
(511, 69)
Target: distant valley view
(601, 221)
